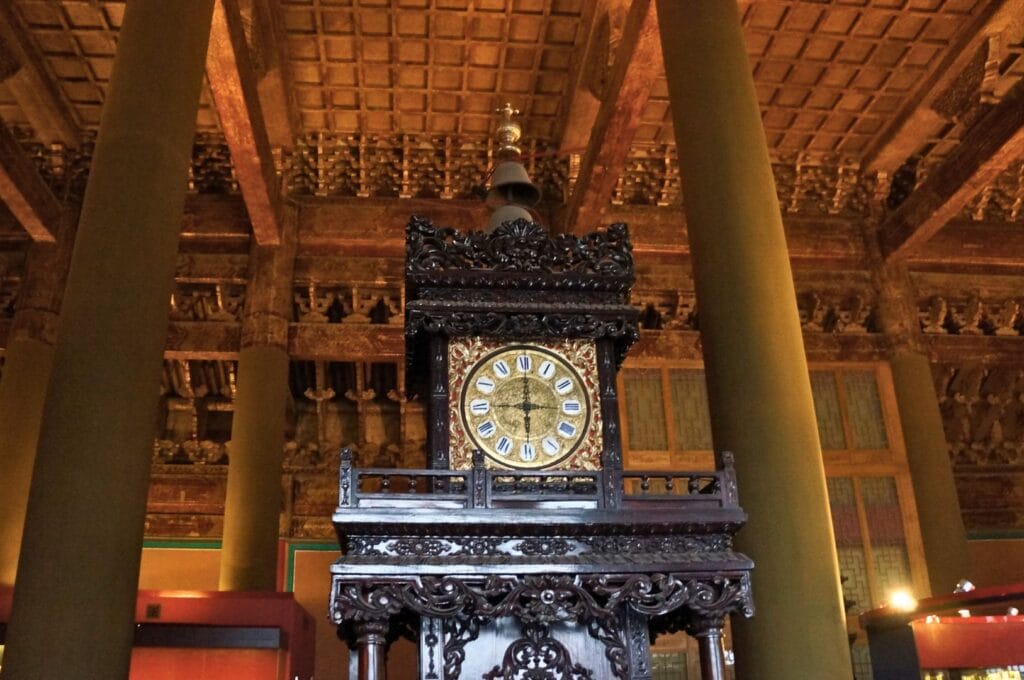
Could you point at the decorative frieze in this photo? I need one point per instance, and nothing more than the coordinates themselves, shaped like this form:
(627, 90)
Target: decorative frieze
(1002, 200)
(450, 167)
(207, 302)
(810, 184)
(822, 310)
(349, 303)
(970, 315)
(456, 167)
(837, 313)
(983, 412)
(407, 166)
(189, 452)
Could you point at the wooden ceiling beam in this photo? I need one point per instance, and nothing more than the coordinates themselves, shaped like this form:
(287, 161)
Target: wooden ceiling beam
(233, 85)
(977, 248)
(602, 20)
(637, 64)
(52, 118)
(218, 341)
(986, 150)
(277, 96)
(911, 128)
(25, 193)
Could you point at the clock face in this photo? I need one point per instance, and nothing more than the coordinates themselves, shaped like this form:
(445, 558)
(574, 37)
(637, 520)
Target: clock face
(525, 406)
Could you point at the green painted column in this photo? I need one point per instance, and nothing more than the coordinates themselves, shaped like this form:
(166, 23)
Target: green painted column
(758, 383)
(74, 598)
(27, 367)
(253, 506)
(22, 392)
(931, 472)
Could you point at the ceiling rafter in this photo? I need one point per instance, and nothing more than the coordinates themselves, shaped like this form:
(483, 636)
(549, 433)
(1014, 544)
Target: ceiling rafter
(276, 94)
(233, 86)
(25, 193)
(601, 22)
(993, 143)
(912, 127)
(40, 99)
(637, 65)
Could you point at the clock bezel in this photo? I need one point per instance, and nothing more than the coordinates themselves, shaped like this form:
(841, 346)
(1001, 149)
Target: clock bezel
(482, 365)
(466, 354)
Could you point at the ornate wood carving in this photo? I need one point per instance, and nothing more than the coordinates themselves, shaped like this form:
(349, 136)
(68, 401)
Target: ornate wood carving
(439, 256)
(538, 655)
(594, 601)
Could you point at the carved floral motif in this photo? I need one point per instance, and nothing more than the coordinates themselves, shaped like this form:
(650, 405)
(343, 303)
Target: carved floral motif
(522, 247)
(538, 656)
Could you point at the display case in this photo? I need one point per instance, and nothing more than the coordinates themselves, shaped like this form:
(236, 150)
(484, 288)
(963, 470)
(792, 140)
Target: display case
(199, 635)
(976, 635)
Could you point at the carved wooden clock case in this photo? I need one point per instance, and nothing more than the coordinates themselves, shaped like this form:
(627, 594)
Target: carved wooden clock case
(525, 550)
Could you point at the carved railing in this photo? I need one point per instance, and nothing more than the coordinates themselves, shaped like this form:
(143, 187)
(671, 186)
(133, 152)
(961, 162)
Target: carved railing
(481, 487)
(653, 488)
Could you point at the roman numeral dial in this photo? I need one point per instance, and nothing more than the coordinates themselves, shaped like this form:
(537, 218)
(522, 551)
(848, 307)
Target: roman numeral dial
(525, 406)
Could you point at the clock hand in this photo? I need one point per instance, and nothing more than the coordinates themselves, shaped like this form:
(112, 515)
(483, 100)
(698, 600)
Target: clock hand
(526, 406)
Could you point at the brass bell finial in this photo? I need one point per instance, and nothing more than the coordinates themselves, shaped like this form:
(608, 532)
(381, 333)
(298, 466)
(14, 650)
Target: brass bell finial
(511, 193)
(509, 133)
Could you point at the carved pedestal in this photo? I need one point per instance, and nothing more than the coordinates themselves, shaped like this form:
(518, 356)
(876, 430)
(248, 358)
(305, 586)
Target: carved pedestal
(560, 585)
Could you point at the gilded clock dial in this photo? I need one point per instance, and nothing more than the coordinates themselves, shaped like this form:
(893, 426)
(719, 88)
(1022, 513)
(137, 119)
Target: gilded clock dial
(525, 407)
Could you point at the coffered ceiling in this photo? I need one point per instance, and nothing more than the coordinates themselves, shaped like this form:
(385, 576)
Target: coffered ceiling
(853, 93)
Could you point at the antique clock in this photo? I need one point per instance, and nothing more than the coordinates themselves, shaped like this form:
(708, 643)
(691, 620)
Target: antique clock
(525, 550)
(521, 334)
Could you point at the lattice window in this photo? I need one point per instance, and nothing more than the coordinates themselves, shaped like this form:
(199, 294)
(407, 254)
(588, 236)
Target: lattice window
(647, 430)
(667, 424)
(690, 409)
(829, 414)
(862, 662)
(847, 403)
(885, 526)
(870, 538)
(865, 410)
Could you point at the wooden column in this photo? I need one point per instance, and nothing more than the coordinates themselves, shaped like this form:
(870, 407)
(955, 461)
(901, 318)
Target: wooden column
(74, 599)
(931, 473)
(27, 366)
(253, 505)
(758, 384)
(371, 643)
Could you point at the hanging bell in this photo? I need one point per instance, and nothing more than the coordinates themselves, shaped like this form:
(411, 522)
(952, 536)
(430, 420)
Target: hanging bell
(510, 183)
(507, 213)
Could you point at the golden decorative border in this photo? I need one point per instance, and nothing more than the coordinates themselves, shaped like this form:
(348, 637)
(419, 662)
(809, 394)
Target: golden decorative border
(464, 353)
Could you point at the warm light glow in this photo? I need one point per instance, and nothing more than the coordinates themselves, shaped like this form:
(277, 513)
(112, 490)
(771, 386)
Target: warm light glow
(931, 618)
(902, 600)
